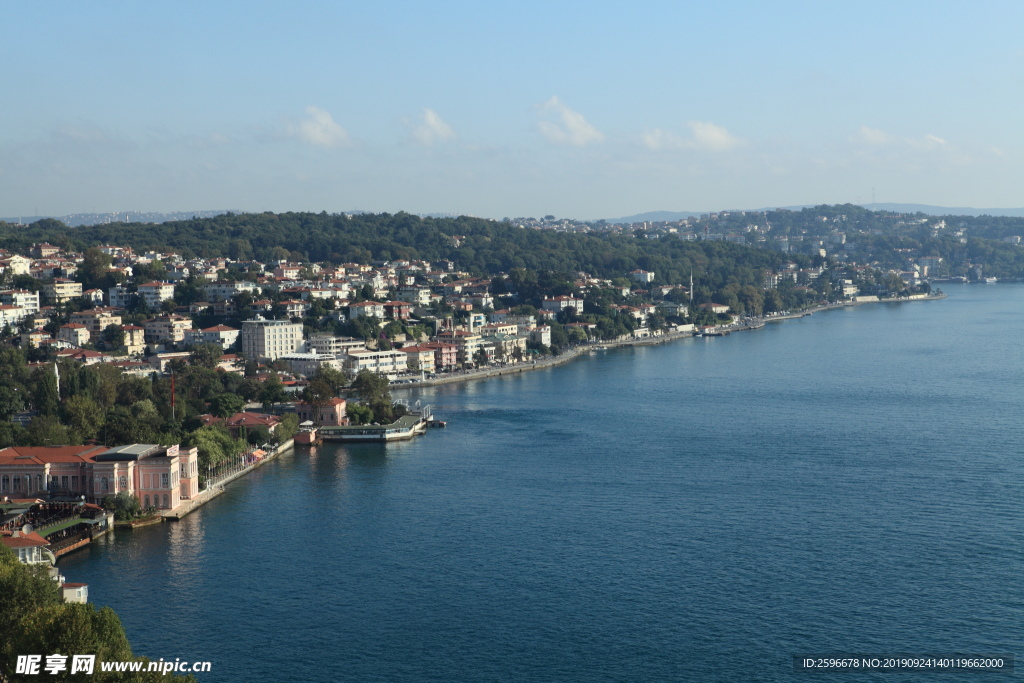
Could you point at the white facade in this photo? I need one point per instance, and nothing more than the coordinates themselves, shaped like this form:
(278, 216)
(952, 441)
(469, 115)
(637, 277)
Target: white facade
(21, 297)
(155, 293)
(218, 291)
(270, 339)
(308, 363)
(381, 362)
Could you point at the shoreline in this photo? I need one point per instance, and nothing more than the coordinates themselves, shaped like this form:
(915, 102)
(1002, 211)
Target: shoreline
(576, 351)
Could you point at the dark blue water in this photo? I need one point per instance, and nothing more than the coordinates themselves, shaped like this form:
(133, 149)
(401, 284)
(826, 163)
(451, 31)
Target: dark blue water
(702, 510)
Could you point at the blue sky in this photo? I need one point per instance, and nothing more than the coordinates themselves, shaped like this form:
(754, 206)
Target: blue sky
(588, 110)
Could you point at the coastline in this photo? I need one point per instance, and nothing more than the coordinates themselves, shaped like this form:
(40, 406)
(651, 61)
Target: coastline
(576, 351)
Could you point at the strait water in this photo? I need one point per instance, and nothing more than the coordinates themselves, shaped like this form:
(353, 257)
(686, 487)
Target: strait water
(703, 510)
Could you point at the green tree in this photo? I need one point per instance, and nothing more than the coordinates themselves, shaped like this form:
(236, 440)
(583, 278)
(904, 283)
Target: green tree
(206, 355)
(25, 589)
(45, 397)
(226, 405)
(371, 387)
(215, 445)
(94, 269)
(124, 505)
(273, 392)
(46, 430)
(76, 628)
(287, 428)
(358, 413)
(83, 415)
(114, 336)
(11, 401)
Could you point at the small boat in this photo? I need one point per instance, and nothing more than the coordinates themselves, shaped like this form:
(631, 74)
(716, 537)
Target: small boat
(437, 423)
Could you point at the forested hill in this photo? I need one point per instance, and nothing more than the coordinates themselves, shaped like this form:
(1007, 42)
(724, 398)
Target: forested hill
(477, 245)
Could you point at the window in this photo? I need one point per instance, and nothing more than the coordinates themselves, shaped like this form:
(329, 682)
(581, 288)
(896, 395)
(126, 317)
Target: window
(5, 482)
(104, 484)
(74, 483)
(163, 480)
(123, 483)
(17, 483)
(165, 501)
(145, 502)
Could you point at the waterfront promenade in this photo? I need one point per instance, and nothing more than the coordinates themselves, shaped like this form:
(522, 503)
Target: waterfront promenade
(215, 487)
(574, 352)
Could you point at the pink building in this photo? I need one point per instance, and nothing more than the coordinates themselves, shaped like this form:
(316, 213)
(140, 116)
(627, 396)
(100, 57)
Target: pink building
(330, 415)
(160, 476)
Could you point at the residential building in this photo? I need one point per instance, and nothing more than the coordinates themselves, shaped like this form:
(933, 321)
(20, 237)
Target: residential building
(61, 290)
(167, 328)
(12, 315)
(339, 346)
(120, 296)
(155, 293)
(30, 548)
(241, 423)
(560, 303)
(331, 414)
(382, 362)
(541, 335)
(96, 321)
(366, 309)
(467, 343)
(420, 358)
(446, 356)
(21, 297)
(74, 334)
(134, 338)
(270, 339)
(398, 310)
(308, 363)
(222, 335)
(219, 291)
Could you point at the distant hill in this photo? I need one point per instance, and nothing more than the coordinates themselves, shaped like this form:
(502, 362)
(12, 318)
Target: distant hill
(76, 219)
(657, 216)
(668, 216)
(944, 210)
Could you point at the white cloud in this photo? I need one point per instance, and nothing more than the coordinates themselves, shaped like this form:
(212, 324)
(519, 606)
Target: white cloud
(320, 129)
(928, 142)
(706, 136)
(873, 136)
(432, 129)
(709, 136)
(570, 128)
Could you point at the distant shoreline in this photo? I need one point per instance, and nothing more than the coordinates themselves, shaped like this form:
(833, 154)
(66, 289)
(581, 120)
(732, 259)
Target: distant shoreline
(576, 351)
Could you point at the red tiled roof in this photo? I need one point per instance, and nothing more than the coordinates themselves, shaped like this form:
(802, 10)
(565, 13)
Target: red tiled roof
(48, 454)
(24, 540)
(252, 419)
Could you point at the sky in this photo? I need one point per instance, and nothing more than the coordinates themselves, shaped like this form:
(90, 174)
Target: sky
(577, 109)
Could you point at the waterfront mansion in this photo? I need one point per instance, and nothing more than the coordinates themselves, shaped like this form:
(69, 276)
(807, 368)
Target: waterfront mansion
(160, 476)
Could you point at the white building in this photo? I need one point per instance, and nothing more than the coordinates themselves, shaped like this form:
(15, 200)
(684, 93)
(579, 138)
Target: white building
(219, 291)
(155, 293)
(21, 297)
(270, 339)
(222, 335)
(388, 363)
(308, 363)
(560, 303)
